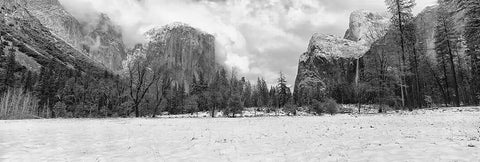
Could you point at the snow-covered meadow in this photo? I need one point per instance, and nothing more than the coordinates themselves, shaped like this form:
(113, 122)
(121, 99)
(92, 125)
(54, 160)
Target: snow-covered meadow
(423, 135)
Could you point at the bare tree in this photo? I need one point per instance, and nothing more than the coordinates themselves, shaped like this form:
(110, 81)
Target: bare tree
(142, 77)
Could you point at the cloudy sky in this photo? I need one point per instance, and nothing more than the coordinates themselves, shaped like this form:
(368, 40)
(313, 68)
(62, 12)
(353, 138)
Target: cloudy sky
(258, 37)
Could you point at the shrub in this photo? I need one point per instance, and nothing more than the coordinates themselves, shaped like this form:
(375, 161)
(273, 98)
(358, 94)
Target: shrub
(331, 106)
(60, 109)
(290, 109)
(317, 107)
(191, 104)
(235, 105)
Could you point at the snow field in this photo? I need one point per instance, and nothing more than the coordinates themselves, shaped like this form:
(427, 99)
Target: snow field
(423, 135)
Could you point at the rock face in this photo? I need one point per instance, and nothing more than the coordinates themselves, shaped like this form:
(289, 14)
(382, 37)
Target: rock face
(61, 23)
(188, 52)
(35, 45)
(331, 60)
(426, 22)
(102, 41)
(43, 33)
(366, 27)
(328, 57)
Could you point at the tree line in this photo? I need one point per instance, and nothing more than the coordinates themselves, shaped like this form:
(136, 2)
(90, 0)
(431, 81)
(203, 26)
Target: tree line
(401, 72)
(147, 88)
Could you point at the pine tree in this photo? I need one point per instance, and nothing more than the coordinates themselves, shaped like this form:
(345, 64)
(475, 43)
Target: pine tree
(262, 89)
(247, 95)
(29, 81)
(191, 104)
(9, 79)
(442, 62)
(415, 80)
(402, 15)
(46, 88)
(216, 95)
(444, 46)
(273, 99)
(472, 38)
(235, 105)
(282, 90)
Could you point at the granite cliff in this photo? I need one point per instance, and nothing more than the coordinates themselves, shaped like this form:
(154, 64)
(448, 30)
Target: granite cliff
(35, 45)
(188, 52)
(332, 60)
(100, 40)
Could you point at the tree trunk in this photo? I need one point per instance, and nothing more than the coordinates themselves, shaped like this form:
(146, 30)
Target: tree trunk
(213, 112)
(137, 112)
(417, 80)
(461, 76)
(402, 44)
(437, 80)
(454, 73)
(444, 66)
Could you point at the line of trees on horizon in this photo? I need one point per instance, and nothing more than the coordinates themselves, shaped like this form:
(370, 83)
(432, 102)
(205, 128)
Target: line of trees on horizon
(147, 89)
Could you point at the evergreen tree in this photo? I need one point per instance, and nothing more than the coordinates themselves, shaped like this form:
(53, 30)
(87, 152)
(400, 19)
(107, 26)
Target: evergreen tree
(262, 89)
(215, 94)
(472, 38)
(273, 99)
(46, 88)
(224, 90)
(415, 79)
(445, 46)
(235, 105)
(247, 95)
(29, 81)
(9, 79)
(282, 90)
(191, 104)
(402, 15)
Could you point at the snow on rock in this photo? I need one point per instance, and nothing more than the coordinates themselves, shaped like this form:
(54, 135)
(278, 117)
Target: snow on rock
(188, 52)
(423, 135)
(98, 38)
(330, 58)
(329, 46)
(366, 27)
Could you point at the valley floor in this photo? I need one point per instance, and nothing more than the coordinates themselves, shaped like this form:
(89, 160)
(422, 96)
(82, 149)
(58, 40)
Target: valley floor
(424, 135)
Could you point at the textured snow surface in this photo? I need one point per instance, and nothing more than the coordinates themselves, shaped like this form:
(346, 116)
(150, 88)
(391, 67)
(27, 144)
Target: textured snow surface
(425, 135)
